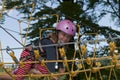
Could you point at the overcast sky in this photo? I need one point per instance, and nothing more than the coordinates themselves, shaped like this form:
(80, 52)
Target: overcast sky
(7, 40)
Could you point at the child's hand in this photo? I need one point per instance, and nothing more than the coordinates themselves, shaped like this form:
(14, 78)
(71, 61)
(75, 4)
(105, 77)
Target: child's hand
(35, 71)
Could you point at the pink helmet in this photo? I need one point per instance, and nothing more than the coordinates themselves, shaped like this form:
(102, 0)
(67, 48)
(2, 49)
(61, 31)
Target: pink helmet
(66, 26)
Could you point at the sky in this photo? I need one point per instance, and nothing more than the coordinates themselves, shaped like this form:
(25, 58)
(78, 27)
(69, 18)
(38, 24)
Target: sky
(12, 24)
(6, 39)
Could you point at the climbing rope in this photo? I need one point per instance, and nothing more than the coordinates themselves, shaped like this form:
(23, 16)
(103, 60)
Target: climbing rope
(94, 62)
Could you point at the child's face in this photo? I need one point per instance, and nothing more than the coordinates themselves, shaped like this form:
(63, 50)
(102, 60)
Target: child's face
(63, 37)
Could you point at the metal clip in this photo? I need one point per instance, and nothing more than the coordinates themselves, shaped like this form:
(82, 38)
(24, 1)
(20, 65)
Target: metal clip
(11, 53)
(60, 44)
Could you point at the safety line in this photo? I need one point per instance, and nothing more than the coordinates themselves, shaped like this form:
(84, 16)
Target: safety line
(11, 35)
(69, 43)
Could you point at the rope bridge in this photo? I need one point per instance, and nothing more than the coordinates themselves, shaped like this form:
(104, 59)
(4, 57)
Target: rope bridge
(94, 63)
(74, 66)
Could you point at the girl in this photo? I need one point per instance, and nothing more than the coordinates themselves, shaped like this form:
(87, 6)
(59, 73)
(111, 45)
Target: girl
(65, 31)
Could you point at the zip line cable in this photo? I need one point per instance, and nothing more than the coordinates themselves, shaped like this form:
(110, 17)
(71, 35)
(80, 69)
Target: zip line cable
(11, 35)
(69, 43)
(78, 42)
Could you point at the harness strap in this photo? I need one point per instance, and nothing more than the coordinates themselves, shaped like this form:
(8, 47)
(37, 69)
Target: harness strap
(26, 55)
(32, 56)
(26, 58)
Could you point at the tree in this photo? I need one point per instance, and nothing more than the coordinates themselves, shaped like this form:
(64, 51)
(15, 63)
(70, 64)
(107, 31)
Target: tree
(86, 12)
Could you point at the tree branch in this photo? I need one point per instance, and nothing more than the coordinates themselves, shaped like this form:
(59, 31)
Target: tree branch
(114, 9)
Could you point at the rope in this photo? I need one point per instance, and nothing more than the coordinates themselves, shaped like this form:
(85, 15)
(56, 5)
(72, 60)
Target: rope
(20, 30)
(69, 43)
(1, 52)
(29, 23)
(80, 51)
(11, 35)
(78, 71)
(73, 61)
(66, 73)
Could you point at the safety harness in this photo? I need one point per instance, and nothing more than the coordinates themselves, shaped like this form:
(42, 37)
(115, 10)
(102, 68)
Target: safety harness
(31, 56)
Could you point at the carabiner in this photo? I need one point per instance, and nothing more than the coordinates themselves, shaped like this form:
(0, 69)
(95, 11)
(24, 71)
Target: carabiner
(11, 53)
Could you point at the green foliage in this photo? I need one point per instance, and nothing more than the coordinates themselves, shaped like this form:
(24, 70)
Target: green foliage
(71, 10)
(83, 12)
(10, 4)
(86, 12)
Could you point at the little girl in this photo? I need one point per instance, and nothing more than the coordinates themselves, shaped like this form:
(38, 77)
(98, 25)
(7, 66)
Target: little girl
(65, 31)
